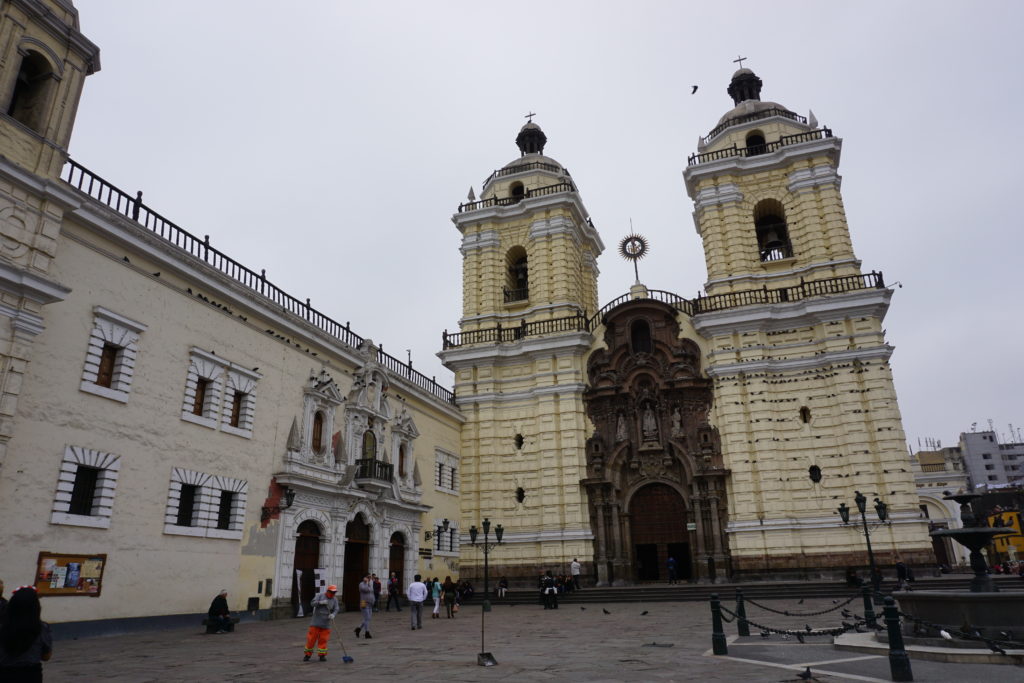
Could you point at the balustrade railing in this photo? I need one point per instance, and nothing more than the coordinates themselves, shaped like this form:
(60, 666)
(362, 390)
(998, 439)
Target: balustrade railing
(518, 294)
(522, 168)
(80, 178)
(509, 201)
(756, 150)
(691, 307)
(371, 468)
(756, 116)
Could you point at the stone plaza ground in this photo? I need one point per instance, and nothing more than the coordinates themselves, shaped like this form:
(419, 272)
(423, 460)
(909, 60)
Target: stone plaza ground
(663, 641)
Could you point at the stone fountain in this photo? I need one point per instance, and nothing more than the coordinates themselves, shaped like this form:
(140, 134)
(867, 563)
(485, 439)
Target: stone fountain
(982, 608)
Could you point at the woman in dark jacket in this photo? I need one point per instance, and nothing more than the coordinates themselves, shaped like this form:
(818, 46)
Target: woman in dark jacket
(448, 593)
(25, 639)
(219, 614)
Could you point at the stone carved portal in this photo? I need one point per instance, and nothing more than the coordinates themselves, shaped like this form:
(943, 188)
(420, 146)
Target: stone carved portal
(655, 480)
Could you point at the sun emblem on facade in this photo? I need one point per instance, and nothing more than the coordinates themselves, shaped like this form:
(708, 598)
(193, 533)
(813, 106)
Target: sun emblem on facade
(633, 247)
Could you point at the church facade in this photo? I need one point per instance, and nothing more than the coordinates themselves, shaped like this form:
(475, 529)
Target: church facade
(170, 417)
(722, 432)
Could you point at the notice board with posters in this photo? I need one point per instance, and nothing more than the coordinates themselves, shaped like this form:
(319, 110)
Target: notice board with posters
(64, 574)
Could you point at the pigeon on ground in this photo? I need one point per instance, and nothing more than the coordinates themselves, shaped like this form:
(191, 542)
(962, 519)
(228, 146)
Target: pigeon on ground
(800, 601)
(805, 675)
(800, 637)
(583, 609)
(644, 613)
(808, 627)
(945, 634)
(766, 634)
(995, 648)
(694, 89)
(605, 611)
(847, 613)
(847, 625)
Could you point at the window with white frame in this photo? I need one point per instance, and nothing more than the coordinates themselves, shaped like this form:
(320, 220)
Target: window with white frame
(219, 394)
(85, 488)
(446, 542)
(446, 472)
(110, 358)
(205, 505)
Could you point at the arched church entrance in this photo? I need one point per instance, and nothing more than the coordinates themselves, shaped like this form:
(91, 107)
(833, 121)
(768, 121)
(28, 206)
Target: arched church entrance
(657, 516)
(357, 560)
(396, 557)
(307, 558)
(655, 480)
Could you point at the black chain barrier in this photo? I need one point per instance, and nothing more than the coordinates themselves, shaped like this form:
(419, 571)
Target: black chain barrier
(802, 633)
(965, 636)
(802, 614)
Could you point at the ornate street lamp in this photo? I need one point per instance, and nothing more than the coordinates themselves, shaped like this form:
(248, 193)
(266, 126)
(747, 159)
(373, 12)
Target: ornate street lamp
(269, 511)
(441, 528)
(882, 510)
(485, 658)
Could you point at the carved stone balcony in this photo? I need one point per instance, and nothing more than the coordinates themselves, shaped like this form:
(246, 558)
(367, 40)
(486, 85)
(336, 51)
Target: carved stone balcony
(374, 473)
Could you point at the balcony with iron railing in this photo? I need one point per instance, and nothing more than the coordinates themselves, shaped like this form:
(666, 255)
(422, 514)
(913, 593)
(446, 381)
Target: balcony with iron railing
(755, 116)
(123, 203)
(510, 201)
(525, 168)
(374, 472)
(516, 295)
(757, 150)
(691, 307)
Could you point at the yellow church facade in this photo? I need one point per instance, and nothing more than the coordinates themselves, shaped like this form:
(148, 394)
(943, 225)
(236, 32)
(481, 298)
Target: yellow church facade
(746, 415)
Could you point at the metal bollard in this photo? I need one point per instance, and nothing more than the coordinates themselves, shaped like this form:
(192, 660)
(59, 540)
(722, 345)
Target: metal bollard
(742, 627)
(718, 645)
(899, 661)
(869, 609)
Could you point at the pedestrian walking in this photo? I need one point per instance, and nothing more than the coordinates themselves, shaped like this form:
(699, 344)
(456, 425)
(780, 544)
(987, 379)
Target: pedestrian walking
(394, 591)
(549, 590)
(574, 572)
(417, 593)
(25, 639)
(325, 608)
(448, 595)
(376, 592)
(435, 592)
(366, 602)
(671, 569)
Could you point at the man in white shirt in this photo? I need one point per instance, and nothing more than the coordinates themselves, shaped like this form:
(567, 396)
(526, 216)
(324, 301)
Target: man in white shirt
(574, 571)
(417, 593)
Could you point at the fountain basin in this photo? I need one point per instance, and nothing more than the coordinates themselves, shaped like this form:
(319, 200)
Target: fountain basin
(988, 613)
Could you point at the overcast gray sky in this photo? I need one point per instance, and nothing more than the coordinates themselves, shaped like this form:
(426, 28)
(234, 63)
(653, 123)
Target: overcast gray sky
(330, 143)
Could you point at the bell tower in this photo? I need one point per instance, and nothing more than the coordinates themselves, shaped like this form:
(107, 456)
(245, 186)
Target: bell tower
(529, 280)
(44, 60)
(804, 396)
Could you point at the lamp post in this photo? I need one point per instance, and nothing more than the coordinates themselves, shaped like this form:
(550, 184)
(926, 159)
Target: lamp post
(485, 658)
(283, 503)
(441, 528)
(882, 510)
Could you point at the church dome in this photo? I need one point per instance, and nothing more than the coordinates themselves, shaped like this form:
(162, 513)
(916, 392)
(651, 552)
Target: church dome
(531, 139)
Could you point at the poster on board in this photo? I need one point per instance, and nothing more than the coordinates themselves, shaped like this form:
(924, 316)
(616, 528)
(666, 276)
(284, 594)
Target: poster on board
(66, 574)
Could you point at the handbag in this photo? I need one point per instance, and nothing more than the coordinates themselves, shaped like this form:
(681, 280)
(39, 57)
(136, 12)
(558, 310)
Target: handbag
(455, 607)
(362, 604)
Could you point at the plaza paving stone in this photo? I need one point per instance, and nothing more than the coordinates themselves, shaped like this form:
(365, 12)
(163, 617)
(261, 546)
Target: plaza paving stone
(529, 643)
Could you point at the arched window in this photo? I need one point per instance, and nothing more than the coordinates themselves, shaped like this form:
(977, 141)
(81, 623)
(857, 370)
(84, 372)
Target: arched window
(369, 445)
(318, 432)
(516, 191)
(755, 143)
(517, 282)
(640, 336)
(31, 95)
(772, 234)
